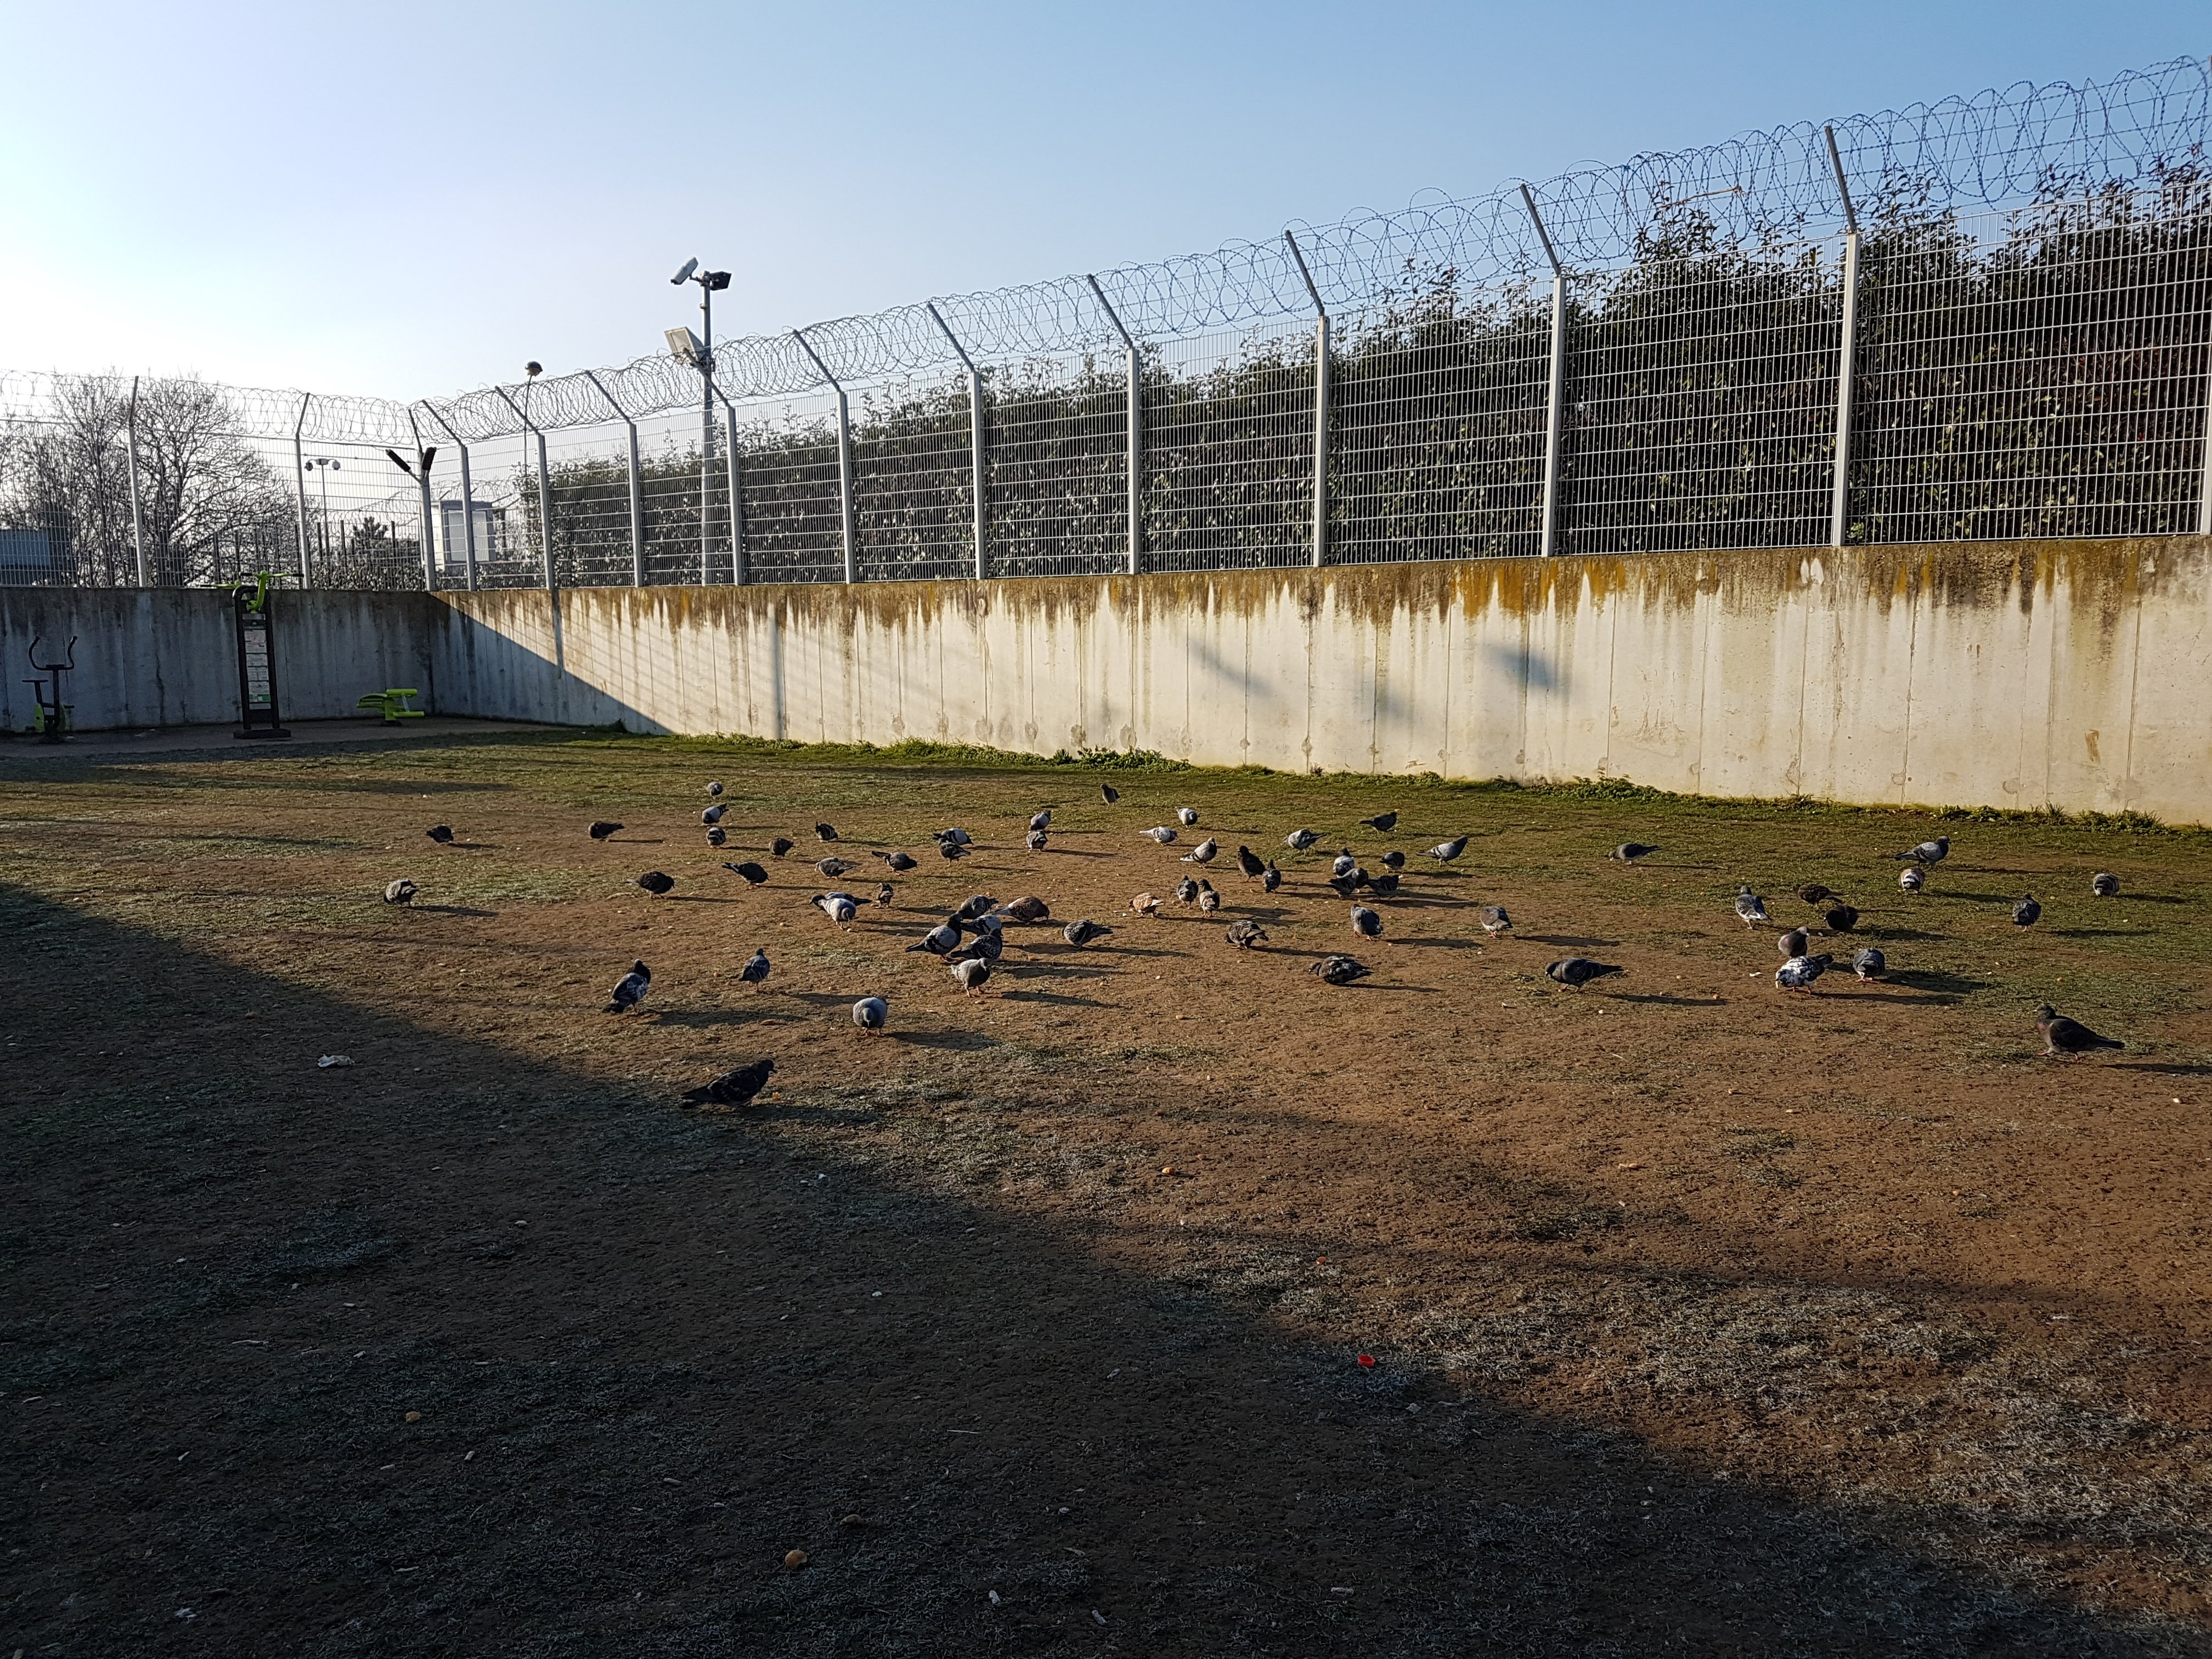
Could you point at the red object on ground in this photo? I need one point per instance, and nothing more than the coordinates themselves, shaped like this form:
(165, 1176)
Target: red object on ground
(1368, 1360)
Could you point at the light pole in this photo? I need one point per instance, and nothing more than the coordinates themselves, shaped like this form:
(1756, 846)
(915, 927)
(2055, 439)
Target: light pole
(698, 350)
(320, 467)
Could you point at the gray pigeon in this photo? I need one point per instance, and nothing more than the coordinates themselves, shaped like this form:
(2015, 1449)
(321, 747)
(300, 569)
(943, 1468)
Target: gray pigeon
(714, 789)
(1339, 969)
(754, 874)
(884, 894)
(958, 837)
(976, 904)
(735, 1087)
(901, 862)
(1494, 919)
(402, 891)
(1344, 864)
(1271, 878)
(629, 990)
(840, 907)
(755, 972)
(1037, 839)
(1800, 973)
(945, 937)
(2025, 913)
(1042, 820)
(713, 814)
(952, 849)
(872, 1013)
(1912, 879)
(990, 944)
(1185, 891)
(1394, 861)
(1575, 972)
(1750, 908)
(1298, 840)
(656, 882)
(1445, 851)
(1208, 900)
(1795, 943)
(1203, 853)
(1365, 922)
(1928, 852)
(1382, 886)
(2105, 884)
(1080, 933)
(1246, 934)
(2062, 1036)
(718, 837)
(1159, 833)
(833, 867)
(1629, 851)
(1870, 963)
(1187, 817)
(972, 973)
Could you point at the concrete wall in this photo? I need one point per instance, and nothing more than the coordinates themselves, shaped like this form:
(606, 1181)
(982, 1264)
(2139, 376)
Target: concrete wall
(2074, 674)
(169, 656)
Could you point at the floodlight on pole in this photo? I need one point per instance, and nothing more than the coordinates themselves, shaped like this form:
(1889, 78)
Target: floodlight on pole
(698, 351)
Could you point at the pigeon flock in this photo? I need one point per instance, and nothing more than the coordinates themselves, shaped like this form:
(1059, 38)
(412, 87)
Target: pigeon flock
(972, 939)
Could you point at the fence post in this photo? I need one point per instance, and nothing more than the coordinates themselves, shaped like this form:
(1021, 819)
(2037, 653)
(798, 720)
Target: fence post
(974, 436)
(1136, 431)
(545, 487)
(468, 494)
(1555, 387)
(1320, 407)
(1846, 354)
(736, 501)
(2204, 489)
(636, 500)
(300, 482)
(422, 481)
(130, 464)
(844, 456)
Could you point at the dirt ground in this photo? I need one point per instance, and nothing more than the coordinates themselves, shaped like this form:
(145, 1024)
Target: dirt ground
(1701, 1316)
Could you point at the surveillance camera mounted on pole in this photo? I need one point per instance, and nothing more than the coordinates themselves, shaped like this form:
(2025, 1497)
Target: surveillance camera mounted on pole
(685, 275)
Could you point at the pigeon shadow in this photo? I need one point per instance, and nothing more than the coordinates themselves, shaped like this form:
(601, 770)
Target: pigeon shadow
(634, 841)
(1937, 979)
(2101, 933)
(1370, 985)
(1440, 944)
(695, 898)
(454, 909)
(968, 1041)
(1894, 933)
(1668, 999)
(472, 846)
(2170, 1068)
(1054, 999)
(700, 1018)
(821, 999)
(1573, 941)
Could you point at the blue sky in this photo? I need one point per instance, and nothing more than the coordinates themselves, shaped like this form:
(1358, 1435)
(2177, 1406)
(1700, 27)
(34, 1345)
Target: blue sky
(413, 199)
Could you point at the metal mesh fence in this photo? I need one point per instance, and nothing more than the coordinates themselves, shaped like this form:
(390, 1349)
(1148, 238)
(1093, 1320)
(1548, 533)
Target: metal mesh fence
(2020, 345)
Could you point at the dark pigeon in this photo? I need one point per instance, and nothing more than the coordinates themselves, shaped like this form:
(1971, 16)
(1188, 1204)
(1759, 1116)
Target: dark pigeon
(629, 990)
(952, 849)
(1037, 839)
(1109, 793)
(979, 904)
(1365, 922)
(714, 789)
(833, 867)
(826, 832)
(883, 894)
(1813, 893)
(2062, 1036)
(440, 833)
(781, 845)
(990, 944)
(1042, 820)
(755, 971)
(1629, 851)
(945, 937)
(1382, 886)
(601, 829)
(2105, 884)
(1079, 933)
(1028, 908)
(1272, 878)
(1870, 963)
(1795, 943)
(656, 882)
(1382, 823)
(754, 874)
(713, 814)
(1841, 918)
(1575, 972)
(900, 861)
(1394, 861)
(1185, 891)
(735, 1087)
(1249, 862)
(2025, 913)
(1340, 969)
(718, 837)
(1246, 934)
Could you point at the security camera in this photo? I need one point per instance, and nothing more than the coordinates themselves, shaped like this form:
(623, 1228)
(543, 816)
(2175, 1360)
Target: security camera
(685, 275)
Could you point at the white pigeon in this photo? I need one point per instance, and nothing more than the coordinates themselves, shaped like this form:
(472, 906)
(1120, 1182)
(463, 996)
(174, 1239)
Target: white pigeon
(1042, 820)
(840, 907)
(1911, 879)
(1159, 833)
(1799, 972)
(1750, 908)
(1298, 840)
(1344, 865)
(972, 972)
(1445, 851)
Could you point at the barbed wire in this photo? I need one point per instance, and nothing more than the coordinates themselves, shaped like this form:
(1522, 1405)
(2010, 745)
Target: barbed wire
(1995, 149)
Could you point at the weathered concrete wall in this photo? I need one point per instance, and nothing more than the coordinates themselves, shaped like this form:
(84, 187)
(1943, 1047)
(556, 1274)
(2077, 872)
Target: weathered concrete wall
(169, 656)
(2074, 674)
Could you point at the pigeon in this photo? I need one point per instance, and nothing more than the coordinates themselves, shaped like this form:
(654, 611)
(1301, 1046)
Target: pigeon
(1185, 891)
(2025, 913)
(1109, 793)
(1249, 862)
(755, 971)
(959, 837)
(825, 832)
(1394, 861)
(402, 891)
(754, 874)
(718, 837)
(1750, 909)
(1365, 922)
(1840, 918)
(1204, 853)
(1813, 894)
(1494, 919)
(1029, 908)
(1629, 851)
(834, 868)
(735, 1087)
(713, 814)
(2062, 1036)
(781, 845)
(2104, 884)
(1271, 879)
(1298, 840)
(952, 849)
(656, 882)
(1347, 886)
(1799, 972)
(901, 862)
(1382, 886)
(1187, 817)
(939, 940)
(1159, 833)
(883, 894)
(1575, 972)
(1080, 933)
(1340, 969)
(1246, 934)
(1795, 943)
(1382, 823)
(1912, 879)
(440, 833)
(1445, 851)
(990, 944)
(600, 830)
(1146, 904)
(972, 974)
(1042, 820)
(1037, 839)
(629, 990)
(840, 907)
(1870, 963)
(714, 789)
(1928, 852)
(1208, 900)
(872, 1013)
(1344, 864)
(976, 905)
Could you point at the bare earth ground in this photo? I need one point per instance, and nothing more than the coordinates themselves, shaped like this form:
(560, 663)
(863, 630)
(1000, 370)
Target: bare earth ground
(1706, 1317)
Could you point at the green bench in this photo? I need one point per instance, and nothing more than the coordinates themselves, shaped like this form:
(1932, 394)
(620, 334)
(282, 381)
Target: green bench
(392, 705)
